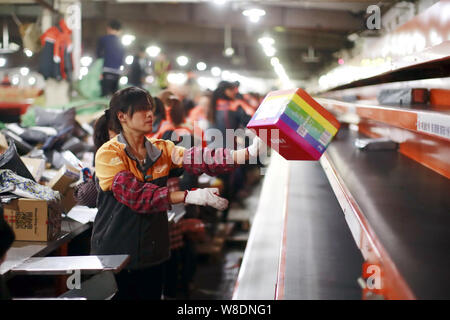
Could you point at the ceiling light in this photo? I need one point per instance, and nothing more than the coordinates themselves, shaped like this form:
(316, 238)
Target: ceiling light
(127, 39)
(182, 61)
(2, 62)
(15, 80)
(86, 61)
(274, 61)
(215, 71)
(201, 66)
(229, 51)
(24, 71)
(269, 51)
(254, 14)
(266, 41)
(123, 80)
(220, 2)
(28, 53)
(32, 81)
(153, 51)
(129, 59)
(83, 71)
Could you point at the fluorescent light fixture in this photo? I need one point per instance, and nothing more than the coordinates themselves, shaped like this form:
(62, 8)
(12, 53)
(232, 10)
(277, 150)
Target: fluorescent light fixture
(254, 14)
(121, 68)
(274, 61)
(2, 62)
(182, 61)
(32, 81)
(86, 61)
(177, 78)
(215, 71)
(220, 2)
(129, 59)
(24, 71)
(266, 41)
(123, 80)
(201, 66)
(127, 39)
(28, 53)
(229, 51)
(153, 51)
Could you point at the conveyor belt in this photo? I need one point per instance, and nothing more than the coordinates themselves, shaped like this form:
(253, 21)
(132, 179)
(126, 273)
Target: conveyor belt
(322, 260)
(319, 259)
(408, 207)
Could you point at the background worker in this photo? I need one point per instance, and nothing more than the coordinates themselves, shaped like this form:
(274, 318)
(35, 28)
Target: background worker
(111, 50)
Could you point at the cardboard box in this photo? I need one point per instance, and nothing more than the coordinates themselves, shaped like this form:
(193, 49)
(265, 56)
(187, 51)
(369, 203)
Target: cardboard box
(64, 178)
(68, 200)
(35, 166)
(294, 124)
(3, 143)
(33, 220)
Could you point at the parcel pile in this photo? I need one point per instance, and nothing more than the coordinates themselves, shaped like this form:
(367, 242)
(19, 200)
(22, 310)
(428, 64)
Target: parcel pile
(39, 167)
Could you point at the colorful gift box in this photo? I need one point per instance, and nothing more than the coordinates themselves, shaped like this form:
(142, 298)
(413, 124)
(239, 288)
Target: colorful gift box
(294, 124)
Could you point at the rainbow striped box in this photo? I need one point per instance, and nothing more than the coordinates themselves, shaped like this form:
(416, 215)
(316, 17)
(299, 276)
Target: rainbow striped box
(294, 124)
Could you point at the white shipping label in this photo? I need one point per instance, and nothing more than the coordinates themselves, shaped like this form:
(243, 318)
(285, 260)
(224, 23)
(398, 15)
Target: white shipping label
(436, 124)
(271, 108)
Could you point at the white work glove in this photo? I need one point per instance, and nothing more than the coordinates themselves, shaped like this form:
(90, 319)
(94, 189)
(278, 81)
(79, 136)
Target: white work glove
(206, 197)
(256, 145)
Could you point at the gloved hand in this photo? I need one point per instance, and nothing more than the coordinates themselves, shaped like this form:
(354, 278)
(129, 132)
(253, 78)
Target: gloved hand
(256, 145)
(206, 197)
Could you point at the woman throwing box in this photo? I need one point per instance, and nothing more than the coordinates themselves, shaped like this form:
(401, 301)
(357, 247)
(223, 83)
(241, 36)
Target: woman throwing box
(133, 200)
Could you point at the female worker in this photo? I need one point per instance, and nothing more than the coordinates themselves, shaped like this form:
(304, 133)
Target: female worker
(132, 173)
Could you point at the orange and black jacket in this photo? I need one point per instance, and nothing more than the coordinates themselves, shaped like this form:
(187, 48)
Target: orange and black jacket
(133, 199)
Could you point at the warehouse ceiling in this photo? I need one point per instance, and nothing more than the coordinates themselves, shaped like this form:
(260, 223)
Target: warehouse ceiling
(306, 33)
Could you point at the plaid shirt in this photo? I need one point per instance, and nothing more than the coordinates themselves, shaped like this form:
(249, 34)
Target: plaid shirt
(149, 198)
(140, 196)
(213, 162)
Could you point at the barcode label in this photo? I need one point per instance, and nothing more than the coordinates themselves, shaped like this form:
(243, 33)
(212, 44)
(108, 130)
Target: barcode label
(325, 138)
(302, 131)
(435, 124)
(24, 220)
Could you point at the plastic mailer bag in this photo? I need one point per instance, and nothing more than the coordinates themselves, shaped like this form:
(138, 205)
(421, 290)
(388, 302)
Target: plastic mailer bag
(54, 117)
(20, 186)
(11, 160)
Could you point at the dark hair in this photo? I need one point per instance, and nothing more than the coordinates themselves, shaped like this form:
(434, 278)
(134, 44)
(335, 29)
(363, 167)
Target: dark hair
(101, 130)
(129, 100)
(177, 113)
(160, 111)
(217, 94)
(6, 235)
(115, 25)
